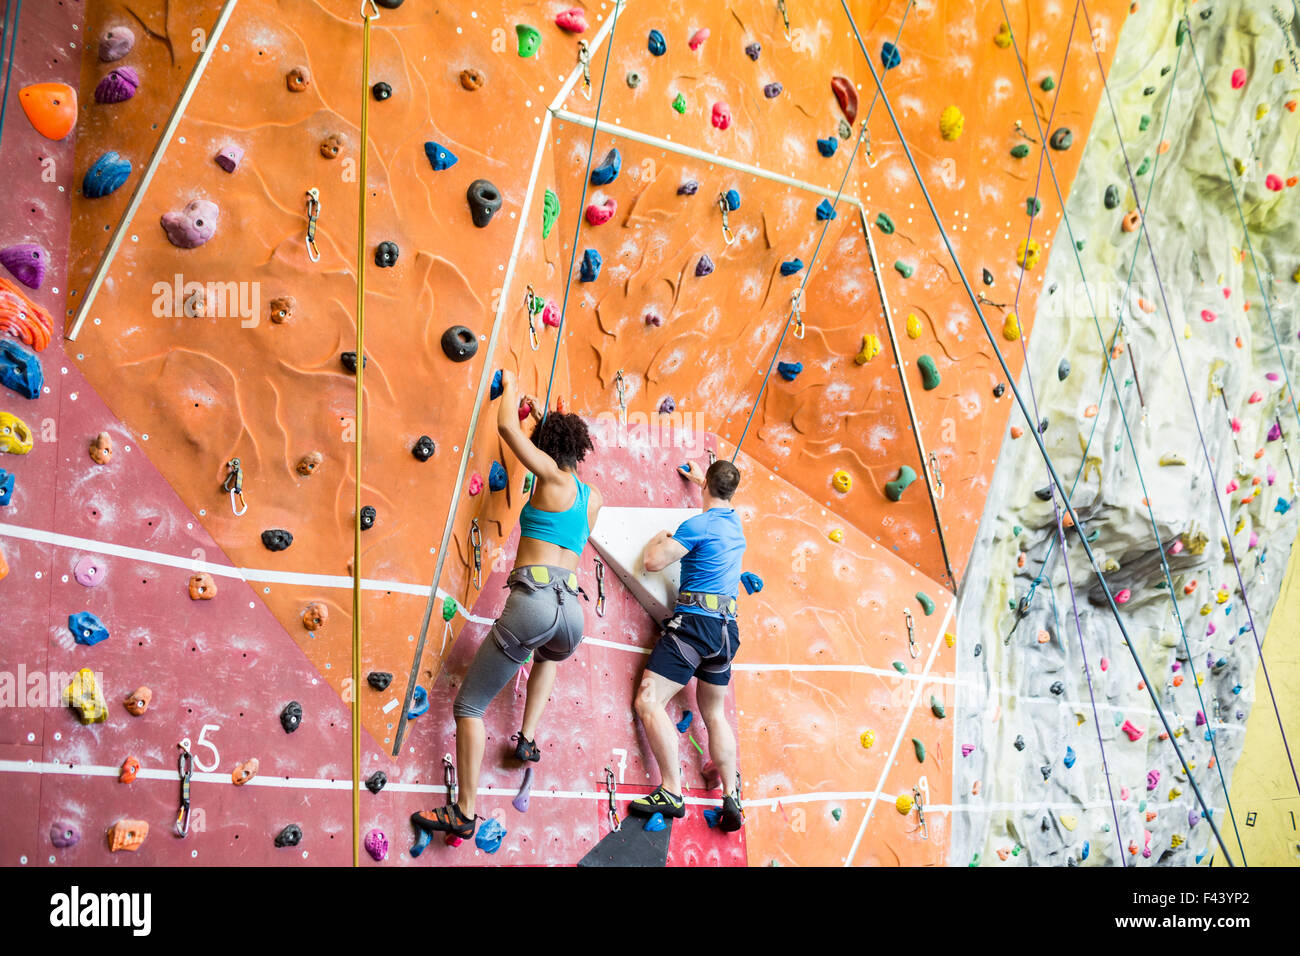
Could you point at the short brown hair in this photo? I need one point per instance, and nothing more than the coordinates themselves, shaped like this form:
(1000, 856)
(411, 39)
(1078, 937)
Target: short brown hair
(722, 478)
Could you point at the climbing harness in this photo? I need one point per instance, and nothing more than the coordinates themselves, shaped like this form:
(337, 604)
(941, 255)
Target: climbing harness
(938, 479)
(785, 17)
(313, 213)
(185, 768)
(611, 788)
(476, 542)
(621, 387)
(725, 208)
(722, 604)
(600, 587)
(584, 60)
(235, 485)
(796, 309)
(912, 647)
(530, 303)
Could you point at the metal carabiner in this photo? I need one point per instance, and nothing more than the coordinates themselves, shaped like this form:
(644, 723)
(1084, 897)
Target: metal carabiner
(785, 17)
(476, 542)
(530, 301)
(912, 647)
(1021, 130)
(313, 213)
(621, 386)
(584, 60)
(369, 16)
(727, 234)
(185, 768)
(611, 787)
(796, 309)
(920, 813)
(235, 485)
(600, 587)
(866, 141)
(938, 480)
(449, 778)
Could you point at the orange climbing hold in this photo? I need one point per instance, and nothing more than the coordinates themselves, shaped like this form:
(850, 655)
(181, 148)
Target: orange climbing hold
(22, 318)
(51, 107)
(1132, 219)
(1090, 411)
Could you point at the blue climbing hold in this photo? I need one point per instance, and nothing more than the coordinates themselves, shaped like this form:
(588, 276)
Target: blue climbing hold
(86, 628)
(419, 703)
(608, 170)
(6, 487)
(1069, 758)
(106, 176)
(496, 477)
(657, 44)
(825, 210)
(752, 582)
(789, 370)
(440, 157)
(656, 823)
(20, 369)
(1282, 506)
(828, 146)
(1236, 688)
(489, 836)
(684, 724)
(791, 266)
(422, 840)
(889, 55)
(733, 199)
(591, 262)
(711, 816)
(1083, 855)
(495, 393)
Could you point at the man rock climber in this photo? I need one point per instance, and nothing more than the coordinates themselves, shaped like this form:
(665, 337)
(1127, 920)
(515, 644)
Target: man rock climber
(543, 615)
(699, 640)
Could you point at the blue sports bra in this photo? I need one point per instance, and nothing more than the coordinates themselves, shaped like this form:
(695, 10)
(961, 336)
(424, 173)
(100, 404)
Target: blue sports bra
(568, 529)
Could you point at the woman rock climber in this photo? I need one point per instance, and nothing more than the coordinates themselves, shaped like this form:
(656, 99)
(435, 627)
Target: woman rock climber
(543, 615)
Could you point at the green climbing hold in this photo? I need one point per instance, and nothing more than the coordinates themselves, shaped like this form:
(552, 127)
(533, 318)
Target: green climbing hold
(1093, 535)
(894, 489)
(1079, 245)
(1061, 139)
(974, 861)
(529, 39)
(1144, 166)
(837, 813)
(1015, 850)
(936, 707)
(929, 374)
(926, 603)
(920, 750)
(1144, 122)
(903, 269)
(679, 104)
(1032, 206)
(1111, 199)
(884, 224)
(1016, 529)
(448, 608)
(537, 304)
(900, 667)
(1020, 150)
(1048, 84)
(550, 212)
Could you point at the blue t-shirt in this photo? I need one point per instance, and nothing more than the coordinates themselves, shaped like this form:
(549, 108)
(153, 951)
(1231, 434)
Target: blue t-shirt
(715, 544)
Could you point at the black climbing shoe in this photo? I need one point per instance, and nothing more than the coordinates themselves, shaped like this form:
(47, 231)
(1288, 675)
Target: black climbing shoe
(733, 814)
(660, 801)
(526, 749)
(445, 820)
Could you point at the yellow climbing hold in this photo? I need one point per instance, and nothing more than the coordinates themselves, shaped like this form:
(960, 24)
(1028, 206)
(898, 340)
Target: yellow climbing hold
(951, 123)
(1003, 37)
(1027, 253)
(1175, 793)
(1239, 165)
(870, 349)
(837, 535)
(1222, 596)
(1279, 65)
(950, 639)
(1261, 111)
(913, 326)
(867, 739)
(842, 481)
(1011, 328)
(1175, 841)
(903, 804)
(1068, 821)
(1172, 459)
(1206, 610)
(1295, 276)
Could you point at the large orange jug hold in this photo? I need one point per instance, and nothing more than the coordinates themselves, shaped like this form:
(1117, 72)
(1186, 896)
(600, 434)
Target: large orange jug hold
(52, 108)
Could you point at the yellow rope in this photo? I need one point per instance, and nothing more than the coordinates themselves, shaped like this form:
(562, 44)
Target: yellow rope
(361, 367)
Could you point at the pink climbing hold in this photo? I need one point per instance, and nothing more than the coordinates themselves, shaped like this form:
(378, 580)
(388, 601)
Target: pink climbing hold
(1231, 487)
(229, 157)
(721, 115)
(192, 226)
(1272, 376)
(698, 38)
(1271, 475)
(1146, 844)
(1274, 182)
(1236, 424)
(1207, 315)
(572, 21)
(599, 215)
(1177, 546)
(1153, 779)
(475, 483)
(1200, 718)
(550, 316)
(1123, 793)
(1238, 78)
(1105, 663)
(1210, 629)
(1134, 733)
(1255, 398)
(1227, 293)
(88, 572)
(967, 750)
(1123, 596)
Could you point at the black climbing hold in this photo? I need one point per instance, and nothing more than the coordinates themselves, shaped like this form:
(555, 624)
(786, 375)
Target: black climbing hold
(1058, 688)
(1063, 370)
(423, 449)
(292, 834)
(1042, 426)
(368, 516)
(381, 91)
(1071, 861)
(376, 781)
(459, 343)
(1044, 493)
(998, 390)
(1164, 70)
(379, 680)
(291, 716)
(389, 4)
(1148, 91)
(988, 277)
(484, 201)
(1207, 13)
(349, 360)
(276, 539)
(386, 254)
(979, 649)
(1111, 199)
(1020, 742)
(1061, 139)
(688, 188)
(1046, 771)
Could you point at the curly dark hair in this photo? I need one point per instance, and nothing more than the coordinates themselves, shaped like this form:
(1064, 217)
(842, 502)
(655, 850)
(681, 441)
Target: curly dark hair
(564, 437)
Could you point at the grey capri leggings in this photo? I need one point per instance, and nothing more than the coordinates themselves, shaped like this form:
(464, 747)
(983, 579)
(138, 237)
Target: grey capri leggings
(542, 616)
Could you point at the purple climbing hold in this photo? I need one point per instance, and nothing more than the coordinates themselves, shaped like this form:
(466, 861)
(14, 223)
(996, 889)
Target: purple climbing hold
(753, 50)
(688, 188)
(773, 90)
(520, 802)
(115, 44)
(704, 266)
(1274, 430)
(376, 844)
(64, 834)
(667, 406)
(88, 571)
(1193, 818)
(192, 226)
(27, 261)
(119, 86)
(229, 157)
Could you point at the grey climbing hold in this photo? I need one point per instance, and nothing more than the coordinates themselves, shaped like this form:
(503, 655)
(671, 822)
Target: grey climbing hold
(1058, 688)
(289, 836)
(1044, 493)
(484, 201)
(633, 79)
(704, 266)
(1061, 139)
(276, 539)
(459, 343)
(1063, 370)
(376, 781)
(1020, 742)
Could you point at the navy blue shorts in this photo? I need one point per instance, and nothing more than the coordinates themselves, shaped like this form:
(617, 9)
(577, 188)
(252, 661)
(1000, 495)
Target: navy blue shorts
(696, 645)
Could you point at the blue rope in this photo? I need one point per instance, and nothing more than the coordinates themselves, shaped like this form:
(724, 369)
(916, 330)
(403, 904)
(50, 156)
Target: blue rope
(10, 34)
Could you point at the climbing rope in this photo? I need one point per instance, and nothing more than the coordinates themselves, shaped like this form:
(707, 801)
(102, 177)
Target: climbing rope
(9, 33)
(798, 296)
(1124, 417)
(367, 19)
(1223, 517)
(1015, 391)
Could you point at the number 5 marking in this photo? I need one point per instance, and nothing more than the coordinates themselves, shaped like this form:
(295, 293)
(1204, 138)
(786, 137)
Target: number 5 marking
(203, 742)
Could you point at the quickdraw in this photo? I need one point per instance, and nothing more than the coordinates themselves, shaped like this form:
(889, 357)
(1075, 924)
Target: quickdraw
(920, 813)
(1021, 130)
(938, 479)
(530, 301)
(621, 387)
(184, 767)
(449, 778)
(725, 209)
(985, 300)
(1216, 386)
(313, 213)
(611, 787)
(476, 542)
(1286, 451)
(785, 17)
(235, 485)
(913, 648)
(600, 587)
(712, 455)
(796, 310)
(584, 59)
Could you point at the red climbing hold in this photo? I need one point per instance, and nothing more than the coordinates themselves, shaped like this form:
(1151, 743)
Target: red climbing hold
(572, 21)
(698, 38)
(1238, 78)
(600, 214)
(721, 115)
(51, 107)
(846, 96)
